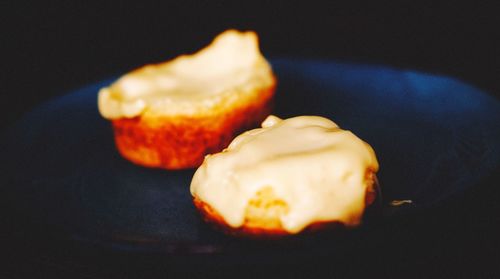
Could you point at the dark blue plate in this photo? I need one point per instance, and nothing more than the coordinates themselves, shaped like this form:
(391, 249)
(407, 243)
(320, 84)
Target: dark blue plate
(434, 137)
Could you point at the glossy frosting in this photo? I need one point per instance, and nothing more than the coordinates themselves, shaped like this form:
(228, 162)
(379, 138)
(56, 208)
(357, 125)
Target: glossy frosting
(231, 65)
(318, 169)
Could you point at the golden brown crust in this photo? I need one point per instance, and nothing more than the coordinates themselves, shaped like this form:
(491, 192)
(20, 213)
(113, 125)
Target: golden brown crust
(262, 215)
(179, 142)
(212, 217)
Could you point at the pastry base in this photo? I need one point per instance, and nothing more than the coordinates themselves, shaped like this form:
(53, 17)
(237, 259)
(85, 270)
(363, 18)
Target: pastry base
(262, 216)
(180, 142)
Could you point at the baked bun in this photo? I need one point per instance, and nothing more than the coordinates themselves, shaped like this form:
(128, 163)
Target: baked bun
(170, 115)
(302, 173)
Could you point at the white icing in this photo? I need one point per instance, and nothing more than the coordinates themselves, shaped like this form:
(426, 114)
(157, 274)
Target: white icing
(190, 84)
(318, 169)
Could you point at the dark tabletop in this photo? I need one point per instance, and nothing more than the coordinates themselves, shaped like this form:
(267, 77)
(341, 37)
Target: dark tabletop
(53, 48)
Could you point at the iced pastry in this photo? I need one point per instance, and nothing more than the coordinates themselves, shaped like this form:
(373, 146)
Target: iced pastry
(170, 115)
(288, 176)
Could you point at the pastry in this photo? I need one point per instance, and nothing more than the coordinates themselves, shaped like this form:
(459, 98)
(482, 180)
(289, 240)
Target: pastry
(170, 115)
(301, 173)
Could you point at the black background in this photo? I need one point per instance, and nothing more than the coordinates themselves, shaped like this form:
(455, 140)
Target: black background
(54, 47)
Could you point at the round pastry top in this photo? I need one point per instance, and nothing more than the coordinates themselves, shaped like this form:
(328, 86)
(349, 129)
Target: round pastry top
(321, 171)
(231, 65)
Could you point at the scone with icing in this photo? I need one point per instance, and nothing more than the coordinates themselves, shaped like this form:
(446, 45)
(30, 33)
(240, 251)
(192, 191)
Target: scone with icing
(291, 175)
(170, 115)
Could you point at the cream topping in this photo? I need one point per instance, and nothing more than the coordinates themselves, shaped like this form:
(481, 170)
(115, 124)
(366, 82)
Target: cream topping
(232, 64)
(318, 169)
